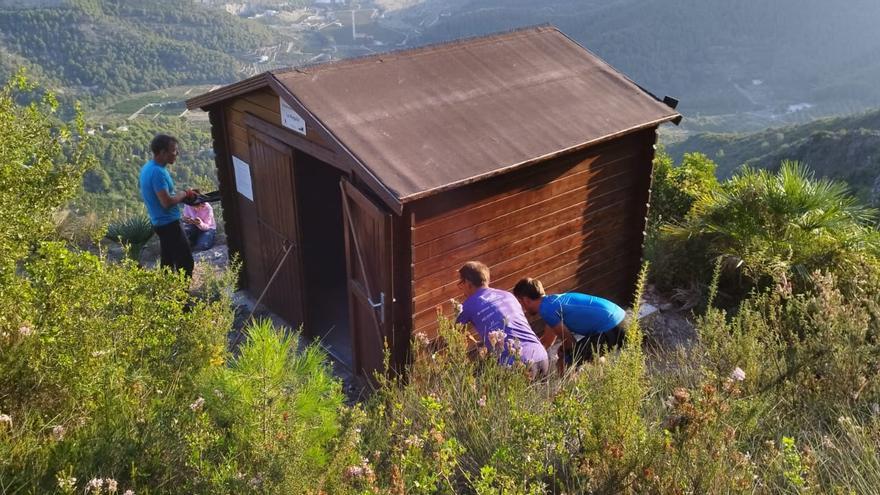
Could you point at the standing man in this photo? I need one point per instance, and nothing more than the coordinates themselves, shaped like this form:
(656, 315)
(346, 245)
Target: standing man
(499, 319)
(157, 190)
(600, 321)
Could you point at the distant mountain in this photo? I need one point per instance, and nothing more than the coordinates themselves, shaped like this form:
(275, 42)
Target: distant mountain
(846, 149)
(96, 47)
(717, 56)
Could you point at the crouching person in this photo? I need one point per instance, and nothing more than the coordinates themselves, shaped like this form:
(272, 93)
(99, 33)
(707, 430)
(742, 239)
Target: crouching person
(601, 322)
(499, 320)
(199, 226)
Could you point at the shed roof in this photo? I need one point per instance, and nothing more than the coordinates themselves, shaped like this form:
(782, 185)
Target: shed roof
(429, 119)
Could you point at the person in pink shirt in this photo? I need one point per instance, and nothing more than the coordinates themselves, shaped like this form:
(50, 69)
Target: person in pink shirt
(199, 226)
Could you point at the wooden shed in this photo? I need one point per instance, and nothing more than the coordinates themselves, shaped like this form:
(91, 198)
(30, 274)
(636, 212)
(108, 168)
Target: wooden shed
(362, 185)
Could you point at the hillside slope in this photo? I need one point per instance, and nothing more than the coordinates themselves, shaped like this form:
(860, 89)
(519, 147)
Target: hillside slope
(96, 47)
(845, 148)
(717, 56)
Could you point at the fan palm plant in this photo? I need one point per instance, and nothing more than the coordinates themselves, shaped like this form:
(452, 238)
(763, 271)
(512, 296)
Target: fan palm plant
(779, 224)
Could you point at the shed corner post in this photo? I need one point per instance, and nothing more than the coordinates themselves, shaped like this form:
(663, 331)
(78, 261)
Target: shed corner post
(217, 118)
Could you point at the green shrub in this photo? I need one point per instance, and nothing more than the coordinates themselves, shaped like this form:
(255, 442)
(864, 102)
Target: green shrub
(772, 229)
(276, 408)
(133, 231)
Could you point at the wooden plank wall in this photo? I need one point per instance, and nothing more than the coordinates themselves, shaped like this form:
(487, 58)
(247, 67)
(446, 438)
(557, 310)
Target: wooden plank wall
(576, 222)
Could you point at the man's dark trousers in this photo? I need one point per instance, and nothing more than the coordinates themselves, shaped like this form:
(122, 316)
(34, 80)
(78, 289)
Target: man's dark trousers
(175, 250)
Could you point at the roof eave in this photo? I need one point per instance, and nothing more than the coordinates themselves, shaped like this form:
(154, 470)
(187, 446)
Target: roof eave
(205, 100)
(675, 118)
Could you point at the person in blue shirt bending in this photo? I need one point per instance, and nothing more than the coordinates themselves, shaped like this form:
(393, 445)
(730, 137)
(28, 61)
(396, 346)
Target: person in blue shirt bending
(157, 191)
(599, 321)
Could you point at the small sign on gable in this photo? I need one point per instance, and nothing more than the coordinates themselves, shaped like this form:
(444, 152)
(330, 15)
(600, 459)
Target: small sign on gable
(242, 178)
(291, 119)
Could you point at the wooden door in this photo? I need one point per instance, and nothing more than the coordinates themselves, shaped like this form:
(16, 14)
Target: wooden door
(274, 195)
(369, 263)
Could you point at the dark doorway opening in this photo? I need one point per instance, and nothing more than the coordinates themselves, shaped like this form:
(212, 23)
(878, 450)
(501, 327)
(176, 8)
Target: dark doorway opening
(323, 256)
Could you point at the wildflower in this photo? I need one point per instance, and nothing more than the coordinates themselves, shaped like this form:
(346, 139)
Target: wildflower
(99, 353)
(58, 433)
(197, 405)
(413, 441)
(496, 337)
(354, 472)
(6, 419)
(827, 442)
(681, 395)
(129, 492)
(218, 393)
(111, 485)
(482, 401)
(25, 331)
(602, 359)
(422, 339)
(738, 374)
(94, 484)
(514, 347)
(256, 481)
(66, 484)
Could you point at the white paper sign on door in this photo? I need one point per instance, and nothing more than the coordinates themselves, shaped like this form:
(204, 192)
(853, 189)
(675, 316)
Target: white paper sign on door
(291, 119)
(243, 178)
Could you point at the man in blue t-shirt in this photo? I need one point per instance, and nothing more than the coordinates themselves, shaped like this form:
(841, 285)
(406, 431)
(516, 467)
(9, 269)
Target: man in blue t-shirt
(598, 320)
(157, 191)
(499, 321)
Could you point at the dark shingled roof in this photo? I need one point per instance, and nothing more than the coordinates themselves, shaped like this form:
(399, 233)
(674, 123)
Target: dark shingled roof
(429, 119)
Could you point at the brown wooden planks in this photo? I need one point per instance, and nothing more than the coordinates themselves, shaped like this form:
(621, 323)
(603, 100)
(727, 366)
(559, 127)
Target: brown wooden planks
(480, 193)
(586, 174)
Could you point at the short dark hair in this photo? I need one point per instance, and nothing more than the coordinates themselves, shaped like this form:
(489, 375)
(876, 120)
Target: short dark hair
(529, 287)
(161, 143)
(475, 272)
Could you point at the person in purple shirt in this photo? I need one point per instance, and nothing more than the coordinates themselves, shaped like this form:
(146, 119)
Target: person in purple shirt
(499, 320)
(601, 322)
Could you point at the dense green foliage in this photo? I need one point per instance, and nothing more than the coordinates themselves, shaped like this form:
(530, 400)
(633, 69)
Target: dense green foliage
(119, 47)
(846, 148)
(768, 228)
(114, 377)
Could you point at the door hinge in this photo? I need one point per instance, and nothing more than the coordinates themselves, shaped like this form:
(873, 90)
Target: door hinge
(380, 306)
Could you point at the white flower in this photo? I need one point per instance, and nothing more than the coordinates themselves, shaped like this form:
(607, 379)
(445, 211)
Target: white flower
(422, 339)
(25, 330)
(99, 353)
(128, 492)
(602, 359)
(218, 393)
(413, 441)
(94, 484)
(6, 419)
(58, 432)
(66, 484)
(738, 374)
(482, 401)
(496, 337)
(514, 347)
(197, 405)
(352, 472)
(111, 485)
